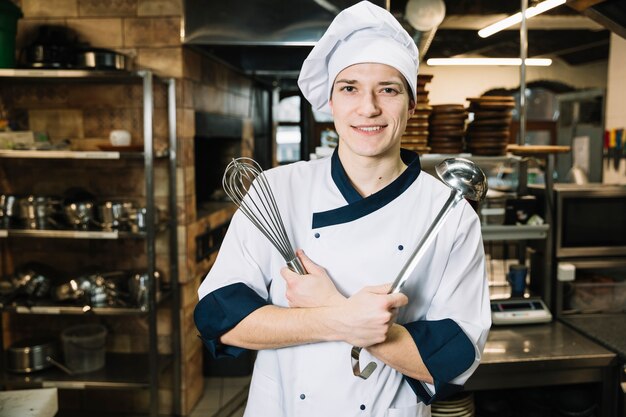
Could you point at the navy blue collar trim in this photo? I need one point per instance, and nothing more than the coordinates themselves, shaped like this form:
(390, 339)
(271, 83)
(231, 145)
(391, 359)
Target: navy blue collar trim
(359, 206)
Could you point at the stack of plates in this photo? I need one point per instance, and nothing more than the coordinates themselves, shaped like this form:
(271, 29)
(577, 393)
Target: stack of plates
(488, 133)
(447, 126)
(415, 137)
(422, 93)
(460, 405)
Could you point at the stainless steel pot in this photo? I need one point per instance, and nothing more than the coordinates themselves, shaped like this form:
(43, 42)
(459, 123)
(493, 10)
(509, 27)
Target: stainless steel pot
(102, 59)
(33, 279)
(79, 208)
(39, 212)
(79, 214)
(9, 209)
(114, 214)
(31, 355)
(95, 289)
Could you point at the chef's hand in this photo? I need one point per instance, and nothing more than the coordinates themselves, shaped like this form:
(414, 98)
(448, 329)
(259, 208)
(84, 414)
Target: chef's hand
(316, 289)
(365, 318)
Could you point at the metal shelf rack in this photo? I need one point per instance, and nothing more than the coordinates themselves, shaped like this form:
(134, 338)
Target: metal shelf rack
(128, 370)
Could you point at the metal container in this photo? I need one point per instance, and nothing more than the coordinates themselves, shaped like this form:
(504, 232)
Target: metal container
(39, 212)
(30, 355)
(33, 279)
(138, 286)
(102, 59)
(84, 347)
(80, 214)
(114, 214)
(9, 210)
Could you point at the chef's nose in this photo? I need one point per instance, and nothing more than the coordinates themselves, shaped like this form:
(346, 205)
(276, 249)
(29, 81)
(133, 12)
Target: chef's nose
(368, 105)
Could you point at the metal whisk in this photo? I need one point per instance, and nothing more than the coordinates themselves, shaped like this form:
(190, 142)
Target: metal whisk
(245, 184)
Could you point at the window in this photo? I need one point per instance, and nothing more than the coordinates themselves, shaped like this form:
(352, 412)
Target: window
(288, 132)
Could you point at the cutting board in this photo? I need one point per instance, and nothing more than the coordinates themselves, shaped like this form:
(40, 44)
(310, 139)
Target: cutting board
(29, 403)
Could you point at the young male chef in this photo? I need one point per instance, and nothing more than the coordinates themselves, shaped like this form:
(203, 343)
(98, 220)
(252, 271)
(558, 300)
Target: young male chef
(356, 218)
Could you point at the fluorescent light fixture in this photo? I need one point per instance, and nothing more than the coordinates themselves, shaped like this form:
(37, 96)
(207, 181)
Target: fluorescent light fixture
(517, 17)
(535, 62)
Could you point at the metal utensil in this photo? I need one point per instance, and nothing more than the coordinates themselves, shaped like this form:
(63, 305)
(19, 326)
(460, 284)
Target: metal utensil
(245, 184)
(113, 214)
(29, 355)
(466, 180)
(138, 288)
(80, 214)
(34, 280)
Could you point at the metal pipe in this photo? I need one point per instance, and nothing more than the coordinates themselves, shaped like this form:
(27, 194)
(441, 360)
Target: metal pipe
(148, 146)
(523, 52)
(173, 235)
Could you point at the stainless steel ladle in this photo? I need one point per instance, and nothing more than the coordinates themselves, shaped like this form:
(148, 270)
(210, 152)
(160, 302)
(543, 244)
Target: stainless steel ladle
(466, 180)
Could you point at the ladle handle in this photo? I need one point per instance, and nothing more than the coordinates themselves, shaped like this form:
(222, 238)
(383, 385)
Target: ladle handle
(407, 270)
(427, 240)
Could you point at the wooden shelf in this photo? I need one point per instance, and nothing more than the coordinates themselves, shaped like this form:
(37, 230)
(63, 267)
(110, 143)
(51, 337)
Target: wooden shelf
(84, 155)
(122, 370)
(527, 150)
(514, 232)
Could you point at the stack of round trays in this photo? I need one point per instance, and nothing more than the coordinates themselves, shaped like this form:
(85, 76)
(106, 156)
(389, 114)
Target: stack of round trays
(447, 127)
(415, 137)
(460, 405)
(488, 133)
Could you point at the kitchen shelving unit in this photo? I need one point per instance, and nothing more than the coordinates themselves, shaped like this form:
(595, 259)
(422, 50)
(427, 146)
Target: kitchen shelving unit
(521, 234)
(130, 370)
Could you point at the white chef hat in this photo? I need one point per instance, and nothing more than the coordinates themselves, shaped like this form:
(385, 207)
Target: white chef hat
(359, 34)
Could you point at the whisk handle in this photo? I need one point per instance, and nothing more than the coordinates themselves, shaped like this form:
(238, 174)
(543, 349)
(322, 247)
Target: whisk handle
(296, 266)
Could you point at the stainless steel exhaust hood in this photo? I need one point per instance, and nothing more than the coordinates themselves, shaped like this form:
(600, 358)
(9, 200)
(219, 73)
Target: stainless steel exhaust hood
(260, 22)
(265, 38)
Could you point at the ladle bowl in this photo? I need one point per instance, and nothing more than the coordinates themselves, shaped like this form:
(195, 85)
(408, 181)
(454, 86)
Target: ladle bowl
(463, 176)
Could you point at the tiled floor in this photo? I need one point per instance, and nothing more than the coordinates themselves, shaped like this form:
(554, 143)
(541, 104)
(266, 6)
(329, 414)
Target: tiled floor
(223, 397)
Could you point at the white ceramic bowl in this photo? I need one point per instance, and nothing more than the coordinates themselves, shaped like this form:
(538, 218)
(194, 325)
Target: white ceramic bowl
(120, 137)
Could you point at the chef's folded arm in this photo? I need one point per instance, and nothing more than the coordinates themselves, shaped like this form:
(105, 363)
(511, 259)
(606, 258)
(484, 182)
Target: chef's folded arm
(445, 349)
(220, 311)
(449, 338)
(452, 336)
(447, 353)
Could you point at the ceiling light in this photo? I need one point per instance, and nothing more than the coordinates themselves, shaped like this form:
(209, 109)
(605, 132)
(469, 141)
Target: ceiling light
(517, 17)
(536, 62)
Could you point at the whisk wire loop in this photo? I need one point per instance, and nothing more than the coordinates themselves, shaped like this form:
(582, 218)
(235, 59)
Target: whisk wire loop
(246, 185)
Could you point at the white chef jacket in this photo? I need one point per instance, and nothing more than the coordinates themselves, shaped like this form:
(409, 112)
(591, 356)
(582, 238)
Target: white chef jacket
(360, 242)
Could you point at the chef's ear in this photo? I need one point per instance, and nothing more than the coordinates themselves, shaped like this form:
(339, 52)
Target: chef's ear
(411, 107)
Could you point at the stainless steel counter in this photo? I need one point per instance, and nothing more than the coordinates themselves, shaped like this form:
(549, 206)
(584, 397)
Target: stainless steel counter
(544, 355)
(609, 330)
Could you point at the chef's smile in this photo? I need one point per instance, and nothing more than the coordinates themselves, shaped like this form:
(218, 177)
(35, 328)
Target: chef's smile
(370, 129)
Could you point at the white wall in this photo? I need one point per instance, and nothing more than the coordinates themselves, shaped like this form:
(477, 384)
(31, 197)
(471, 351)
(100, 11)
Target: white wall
(455, 84)
(615, 105)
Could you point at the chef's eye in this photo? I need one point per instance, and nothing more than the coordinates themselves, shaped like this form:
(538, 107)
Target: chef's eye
(390, 90)
(347, 88)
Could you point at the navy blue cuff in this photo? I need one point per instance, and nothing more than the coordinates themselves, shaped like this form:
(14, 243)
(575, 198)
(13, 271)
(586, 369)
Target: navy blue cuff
(446, 351)
(220, 311)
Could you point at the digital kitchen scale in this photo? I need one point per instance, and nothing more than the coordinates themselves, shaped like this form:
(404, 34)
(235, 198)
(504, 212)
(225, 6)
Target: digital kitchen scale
(519, 311)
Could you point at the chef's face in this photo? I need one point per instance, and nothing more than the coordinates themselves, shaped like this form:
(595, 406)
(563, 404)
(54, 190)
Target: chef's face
(371, 104)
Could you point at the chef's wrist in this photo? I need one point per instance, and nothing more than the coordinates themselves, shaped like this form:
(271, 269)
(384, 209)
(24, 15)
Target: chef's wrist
(336, 299)
(334, 328)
